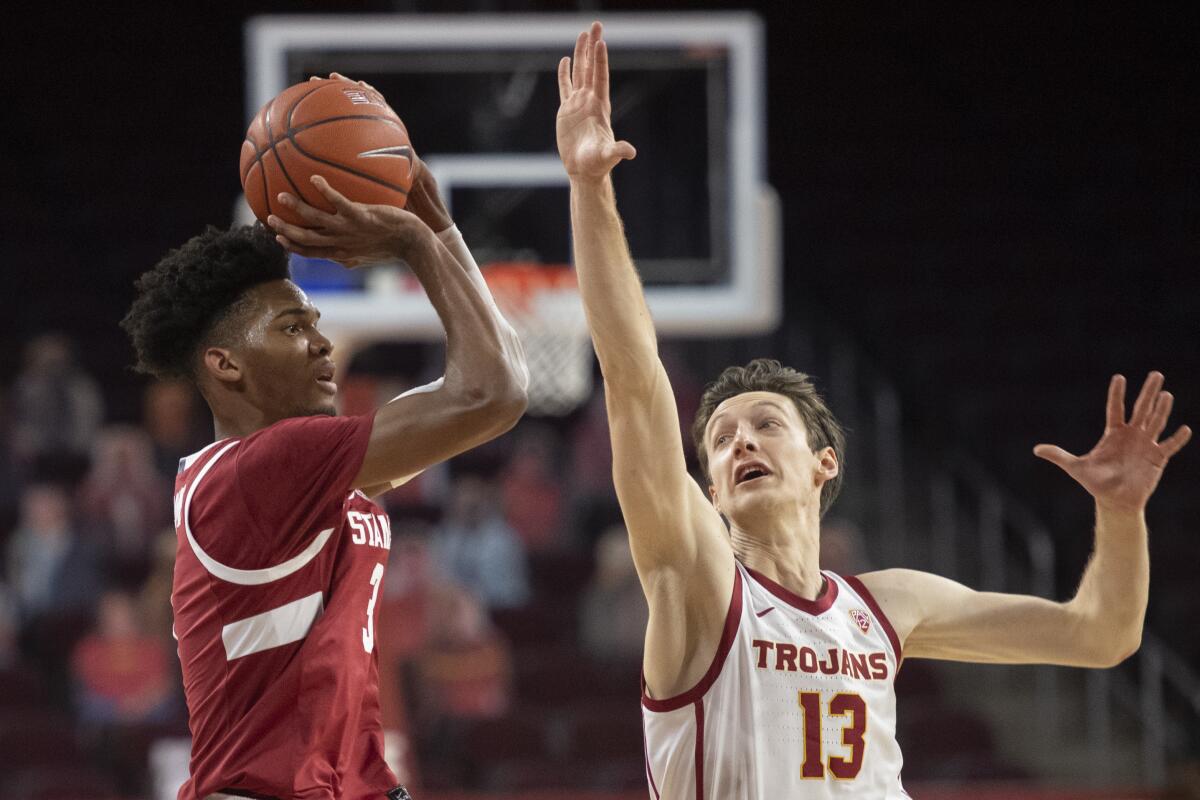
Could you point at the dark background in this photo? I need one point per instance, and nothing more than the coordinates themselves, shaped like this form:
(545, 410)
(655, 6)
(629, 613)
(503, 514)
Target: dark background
(998, 204)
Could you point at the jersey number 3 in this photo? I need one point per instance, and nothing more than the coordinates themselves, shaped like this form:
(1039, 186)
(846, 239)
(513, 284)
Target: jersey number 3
(369, 631)
(840, 705)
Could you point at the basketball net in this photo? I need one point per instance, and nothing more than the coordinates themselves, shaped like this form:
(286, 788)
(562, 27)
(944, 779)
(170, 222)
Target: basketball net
(542, 304)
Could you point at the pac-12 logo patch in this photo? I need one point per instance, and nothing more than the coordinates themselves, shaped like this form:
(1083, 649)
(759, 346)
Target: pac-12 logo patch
(860, 619)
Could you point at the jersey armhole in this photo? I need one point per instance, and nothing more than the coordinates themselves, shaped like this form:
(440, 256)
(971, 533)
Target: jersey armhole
(861, 589)
(733, 618)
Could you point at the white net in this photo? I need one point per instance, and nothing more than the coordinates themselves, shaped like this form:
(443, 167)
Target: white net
(543, 305)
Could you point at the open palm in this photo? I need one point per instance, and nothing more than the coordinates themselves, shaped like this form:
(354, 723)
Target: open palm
(584, 126)
(1123, 469)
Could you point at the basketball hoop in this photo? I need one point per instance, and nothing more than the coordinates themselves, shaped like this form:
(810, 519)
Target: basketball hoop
(542, 303)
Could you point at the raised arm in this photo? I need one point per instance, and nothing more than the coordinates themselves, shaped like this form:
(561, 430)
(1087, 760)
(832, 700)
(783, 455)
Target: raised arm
(1102, 624)
(679, 544)
(482, 393)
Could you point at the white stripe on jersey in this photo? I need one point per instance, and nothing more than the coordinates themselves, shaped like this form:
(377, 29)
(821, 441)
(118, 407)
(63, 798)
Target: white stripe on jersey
(275, 628)
(246, 577)
(798, 703)
(187, 461)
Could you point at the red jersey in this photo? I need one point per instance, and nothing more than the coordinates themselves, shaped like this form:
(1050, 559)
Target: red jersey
(277, 577)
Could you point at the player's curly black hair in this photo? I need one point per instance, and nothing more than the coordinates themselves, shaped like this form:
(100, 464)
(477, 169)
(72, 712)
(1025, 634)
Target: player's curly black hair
(183, 300)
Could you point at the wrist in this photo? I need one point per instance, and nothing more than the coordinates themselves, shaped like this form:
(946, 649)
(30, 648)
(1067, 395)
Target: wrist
(1115, 513)
(412, 242)
(592, 183)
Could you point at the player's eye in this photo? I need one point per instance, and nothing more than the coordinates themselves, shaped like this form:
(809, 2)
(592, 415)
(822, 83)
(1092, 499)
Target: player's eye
(293, 328)
(767, 423)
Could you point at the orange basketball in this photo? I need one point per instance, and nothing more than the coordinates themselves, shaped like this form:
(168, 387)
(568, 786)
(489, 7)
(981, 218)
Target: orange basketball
(338, 129)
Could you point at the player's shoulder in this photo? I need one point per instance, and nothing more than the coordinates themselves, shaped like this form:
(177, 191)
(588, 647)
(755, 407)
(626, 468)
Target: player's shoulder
(902, 596)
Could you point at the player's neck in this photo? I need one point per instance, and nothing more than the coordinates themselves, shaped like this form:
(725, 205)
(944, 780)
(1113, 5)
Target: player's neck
(785, 549)
(239, 425)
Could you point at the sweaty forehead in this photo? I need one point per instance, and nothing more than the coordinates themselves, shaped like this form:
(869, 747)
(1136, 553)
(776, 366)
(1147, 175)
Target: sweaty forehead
(747, 402)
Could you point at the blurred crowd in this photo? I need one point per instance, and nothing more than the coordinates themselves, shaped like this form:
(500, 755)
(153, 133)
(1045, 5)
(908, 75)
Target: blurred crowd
(509, 555)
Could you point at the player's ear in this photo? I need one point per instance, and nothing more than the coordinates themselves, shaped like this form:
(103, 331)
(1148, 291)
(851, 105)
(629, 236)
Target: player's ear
(712, 494)
(827, 464)
(221, 364)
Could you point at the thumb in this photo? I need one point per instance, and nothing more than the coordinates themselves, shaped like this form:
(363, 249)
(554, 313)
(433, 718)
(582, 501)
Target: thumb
(622, 151)
(1055, 455)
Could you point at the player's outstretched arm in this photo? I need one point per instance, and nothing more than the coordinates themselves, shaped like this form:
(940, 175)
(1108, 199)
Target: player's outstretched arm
(679, 544)
(482, 393)
(1102, 624)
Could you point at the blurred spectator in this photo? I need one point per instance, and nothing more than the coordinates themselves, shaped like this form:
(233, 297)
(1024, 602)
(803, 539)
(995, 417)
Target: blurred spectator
(154, 599)
(124, 497)
(476, 548)
(613, 612)
(9, 627)
(171, 418)
(593, 501)
(842, 548)
(591, 451)
(465, 671)
(56, 406)
(51, 568)
(532, 489)
(121, 674)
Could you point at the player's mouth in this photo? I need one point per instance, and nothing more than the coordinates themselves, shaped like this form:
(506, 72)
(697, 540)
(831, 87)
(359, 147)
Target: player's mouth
(325, 377)
(749, 472)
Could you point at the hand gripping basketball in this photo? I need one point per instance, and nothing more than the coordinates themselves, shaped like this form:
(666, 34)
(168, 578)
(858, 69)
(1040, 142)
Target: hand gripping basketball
(355, 235)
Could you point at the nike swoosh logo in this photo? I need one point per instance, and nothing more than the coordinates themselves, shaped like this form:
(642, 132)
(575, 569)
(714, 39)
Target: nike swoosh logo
(397, 151)
(765, 611)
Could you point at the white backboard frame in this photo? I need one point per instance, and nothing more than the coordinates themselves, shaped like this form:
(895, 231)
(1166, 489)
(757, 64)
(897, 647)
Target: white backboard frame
(750, 303)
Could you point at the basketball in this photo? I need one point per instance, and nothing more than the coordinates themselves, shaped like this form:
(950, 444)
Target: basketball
(341, 130)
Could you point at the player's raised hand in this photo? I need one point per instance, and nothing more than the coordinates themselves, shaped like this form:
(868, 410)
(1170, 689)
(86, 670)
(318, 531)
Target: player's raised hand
(1123, 469)
(584, 127)
(355, 235)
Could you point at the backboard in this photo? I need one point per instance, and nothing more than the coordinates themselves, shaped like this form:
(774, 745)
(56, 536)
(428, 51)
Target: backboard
(478, 94)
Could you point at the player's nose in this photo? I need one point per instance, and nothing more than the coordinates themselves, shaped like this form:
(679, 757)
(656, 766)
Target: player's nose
(319, 345)
(744, 440)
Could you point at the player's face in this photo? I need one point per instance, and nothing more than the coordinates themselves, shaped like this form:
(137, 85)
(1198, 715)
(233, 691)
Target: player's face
(289, 372)
(759, 458)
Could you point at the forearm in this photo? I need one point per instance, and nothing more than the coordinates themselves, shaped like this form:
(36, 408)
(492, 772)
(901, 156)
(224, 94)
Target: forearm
(483, 359)
(1112, 596)
(618, 318)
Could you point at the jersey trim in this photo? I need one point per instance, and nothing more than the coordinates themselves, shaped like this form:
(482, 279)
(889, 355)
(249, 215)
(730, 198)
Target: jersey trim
(245, 577)
(868, 598)
(814, 607)
(700, 749)
(288, 623)
(732, 619)
(187, 461)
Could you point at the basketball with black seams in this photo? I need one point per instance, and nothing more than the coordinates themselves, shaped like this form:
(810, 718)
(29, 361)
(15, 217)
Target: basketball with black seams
(342, 130)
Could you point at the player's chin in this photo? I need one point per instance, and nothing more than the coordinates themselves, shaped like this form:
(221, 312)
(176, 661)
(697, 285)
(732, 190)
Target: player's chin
(324, 405)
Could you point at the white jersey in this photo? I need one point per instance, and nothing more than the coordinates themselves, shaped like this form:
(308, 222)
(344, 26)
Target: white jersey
(798, 702)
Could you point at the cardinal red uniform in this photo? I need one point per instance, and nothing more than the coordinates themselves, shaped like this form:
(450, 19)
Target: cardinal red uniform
(277, 579)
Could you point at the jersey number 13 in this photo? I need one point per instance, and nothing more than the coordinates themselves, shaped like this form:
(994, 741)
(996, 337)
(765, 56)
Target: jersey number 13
(842, 704)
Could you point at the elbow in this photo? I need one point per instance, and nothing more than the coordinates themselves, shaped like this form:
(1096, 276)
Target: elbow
(1124, 650)
(509, 403)
(1114, 650)
(498, 405)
